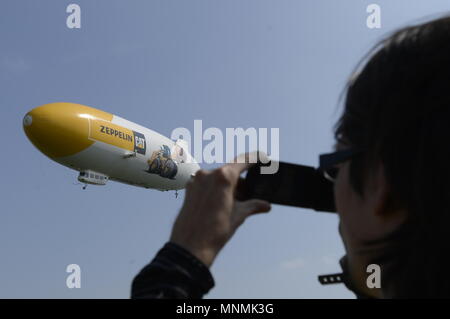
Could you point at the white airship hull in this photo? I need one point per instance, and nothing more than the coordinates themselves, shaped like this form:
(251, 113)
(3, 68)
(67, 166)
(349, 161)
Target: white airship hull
(119, 149)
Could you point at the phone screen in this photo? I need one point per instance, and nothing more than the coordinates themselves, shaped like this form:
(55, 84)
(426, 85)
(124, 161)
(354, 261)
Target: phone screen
(293, 185)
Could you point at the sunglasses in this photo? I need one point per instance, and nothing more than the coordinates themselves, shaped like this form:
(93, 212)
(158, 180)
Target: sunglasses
(328, 162)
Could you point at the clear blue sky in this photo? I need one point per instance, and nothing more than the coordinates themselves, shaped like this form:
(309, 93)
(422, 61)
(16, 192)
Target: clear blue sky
(163, 64)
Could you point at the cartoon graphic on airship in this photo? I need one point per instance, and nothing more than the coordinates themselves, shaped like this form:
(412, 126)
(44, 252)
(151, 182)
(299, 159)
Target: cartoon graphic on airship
(102, 146)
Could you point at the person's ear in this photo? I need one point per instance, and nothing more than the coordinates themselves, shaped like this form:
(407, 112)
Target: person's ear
(385, 207)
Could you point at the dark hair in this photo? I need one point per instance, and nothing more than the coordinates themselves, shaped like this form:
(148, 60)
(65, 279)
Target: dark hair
(397, 107)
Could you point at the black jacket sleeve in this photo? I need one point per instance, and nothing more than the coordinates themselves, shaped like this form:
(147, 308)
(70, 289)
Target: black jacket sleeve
(173, 273)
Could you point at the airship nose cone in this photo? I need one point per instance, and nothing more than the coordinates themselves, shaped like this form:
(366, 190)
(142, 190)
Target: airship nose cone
(60, 129)
(27, 120)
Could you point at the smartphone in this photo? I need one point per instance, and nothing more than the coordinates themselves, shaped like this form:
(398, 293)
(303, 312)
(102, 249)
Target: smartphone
(292, 185)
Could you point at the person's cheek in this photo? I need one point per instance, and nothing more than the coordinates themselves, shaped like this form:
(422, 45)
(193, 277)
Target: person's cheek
(341, 197)
(339, 194)
(342, 234)
(351, 209)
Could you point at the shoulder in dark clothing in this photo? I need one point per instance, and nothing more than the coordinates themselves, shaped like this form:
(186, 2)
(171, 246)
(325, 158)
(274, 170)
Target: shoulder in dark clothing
(173, 273)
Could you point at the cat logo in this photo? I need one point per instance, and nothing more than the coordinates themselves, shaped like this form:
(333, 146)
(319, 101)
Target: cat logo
(140, 144)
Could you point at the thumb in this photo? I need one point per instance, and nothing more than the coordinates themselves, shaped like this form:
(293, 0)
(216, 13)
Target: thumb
(254, 206)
